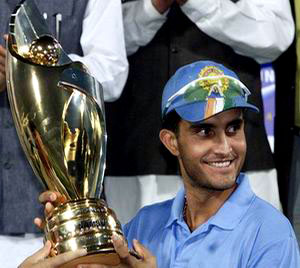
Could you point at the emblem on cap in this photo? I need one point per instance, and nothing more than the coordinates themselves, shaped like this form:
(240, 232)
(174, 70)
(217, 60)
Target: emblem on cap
(215, 87)
(218, 85)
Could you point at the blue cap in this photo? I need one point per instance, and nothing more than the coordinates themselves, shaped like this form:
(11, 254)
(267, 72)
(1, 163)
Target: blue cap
(202, 89)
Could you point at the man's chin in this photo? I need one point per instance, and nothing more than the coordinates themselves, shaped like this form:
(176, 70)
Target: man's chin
(225, 185)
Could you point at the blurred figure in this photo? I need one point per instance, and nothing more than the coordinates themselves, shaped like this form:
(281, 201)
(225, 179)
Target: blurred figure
(164, 35)
(90, 32)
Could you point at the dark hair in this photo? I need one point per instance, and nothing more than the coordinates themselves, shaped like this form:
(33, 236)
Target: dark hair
(171, 121)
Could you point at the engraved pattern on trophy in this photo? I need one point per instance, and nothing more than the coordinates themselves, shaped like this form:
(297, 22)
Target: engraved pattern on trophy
(61, 126)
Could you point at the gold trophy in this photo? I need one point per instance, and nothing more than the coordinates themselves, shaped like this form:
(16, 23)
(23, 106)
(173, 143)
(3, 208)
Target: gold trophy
(58, 112)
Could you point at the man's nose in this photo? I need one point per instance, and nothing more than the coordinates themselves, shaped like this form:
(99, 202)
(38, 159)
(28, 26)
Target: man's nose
(222, 144)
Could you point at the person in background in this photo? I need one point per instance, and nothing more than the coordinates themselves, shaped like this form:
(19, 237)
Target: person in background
(89, 31)
(161, 36)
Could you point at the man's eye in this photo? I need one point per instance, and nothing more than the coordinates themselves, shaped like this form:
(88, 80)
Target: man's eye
(205, 131)
(233, 128)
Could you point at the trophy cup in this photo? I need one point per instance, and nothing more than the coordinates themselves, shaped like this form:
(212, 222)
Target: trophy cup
(58, 111)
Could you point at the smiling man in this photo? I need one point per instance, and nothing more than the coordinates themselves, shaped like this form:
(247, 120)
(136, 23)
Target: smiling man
(215, 220)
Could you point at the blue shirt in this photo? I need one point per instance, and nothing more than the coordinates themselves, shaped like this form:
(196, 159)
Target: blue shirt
(245, 232)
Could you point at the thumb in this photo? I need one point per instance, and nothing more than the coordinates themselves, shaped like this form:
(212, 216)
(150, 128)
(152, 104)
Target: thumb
(141, 250)
(42, 253)
(38, 256)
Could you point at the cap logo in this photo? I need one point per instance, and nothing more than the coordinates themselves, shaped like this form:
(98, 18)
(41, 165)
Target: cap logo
(213, 85)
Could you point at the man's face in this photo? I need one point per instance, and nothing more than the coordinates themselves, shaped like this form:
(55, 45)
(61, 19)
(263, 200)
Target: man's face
(211, 154)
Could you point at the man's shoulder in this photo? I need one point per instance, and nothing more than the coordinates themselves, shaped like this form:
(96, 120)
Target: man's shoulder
(158, 211)
(269, 221)
(149, 219)
(268, 237)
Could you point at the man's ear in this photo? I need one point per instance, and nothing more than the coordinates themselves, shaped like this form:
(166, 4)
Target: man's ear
(169, 139)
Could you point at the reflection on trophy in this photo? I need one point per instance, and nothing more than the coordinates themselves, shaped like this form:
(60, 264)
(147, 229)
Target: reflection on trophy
(59, 116)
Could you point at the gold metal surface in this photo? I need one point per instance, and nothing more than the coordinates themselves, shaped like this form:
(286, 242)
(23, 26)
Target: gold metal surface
(44, 51)
(60, 122)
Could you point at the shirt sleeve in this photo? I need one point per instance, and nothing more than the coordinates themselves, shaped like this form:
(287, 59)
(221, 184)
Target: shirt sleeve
(281, 254)
(103, 46)
(141, 22)
(258, 29)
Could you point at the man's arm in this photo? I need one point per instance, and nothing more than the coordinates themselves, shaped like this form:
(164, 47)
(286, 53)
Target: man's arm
(103, 46)
(258, 29)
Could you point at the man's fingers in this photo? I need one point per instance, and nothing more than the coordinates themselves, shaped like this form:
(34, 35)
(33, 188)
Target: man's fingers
(42, 253)
(2, 50)
(92, 266)
(39, 223)
(48, 196)
(120, 246)
(141, 250)
(55, 198)
(37, 257)
(145, 253)
(63, 258)
(48, 208)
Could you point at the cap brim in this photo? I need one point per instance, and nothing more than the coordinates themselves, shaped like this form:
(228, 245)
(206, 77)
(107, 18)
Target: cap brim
(195, 112)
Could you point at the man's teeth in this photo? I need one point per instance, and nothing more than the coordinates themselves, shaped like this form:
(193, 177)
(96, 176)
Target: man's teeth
(220, 164)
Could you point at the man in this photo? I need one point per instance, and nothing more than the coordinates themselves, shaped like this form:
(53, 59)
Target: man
(215, 220)
(87, 32)
(163, 35)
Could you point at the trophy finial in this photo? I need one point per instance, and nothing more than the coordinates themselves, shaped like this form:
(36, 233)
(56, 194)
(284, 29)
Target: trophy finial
(44, 51)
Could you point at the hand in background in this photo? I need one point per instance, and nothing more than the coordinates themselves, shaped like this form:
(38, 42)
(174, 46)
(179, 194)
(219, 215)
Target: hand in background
(162, 5)
(128, 261)
(40, 260)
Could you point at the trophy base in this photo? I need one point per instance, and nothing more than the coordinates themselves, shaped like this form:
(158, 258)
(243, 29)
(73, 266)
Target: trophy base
(111, 259)
(86, 223)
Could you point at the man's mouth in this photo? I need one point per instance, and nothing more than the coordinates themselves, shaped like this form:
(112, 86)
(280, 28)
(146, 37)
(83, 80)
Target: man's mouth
(220, 164)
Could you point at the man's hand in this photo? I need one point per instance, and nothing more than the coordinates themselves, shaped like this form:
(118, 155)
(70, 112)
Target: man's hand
(147, 259)
(162, 5)
(50, 200)
(40, 260)
(128, 261)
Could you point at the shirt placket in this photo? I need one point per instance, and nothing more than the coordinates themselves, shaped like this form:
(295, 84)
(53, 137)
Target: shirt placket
(182, 251)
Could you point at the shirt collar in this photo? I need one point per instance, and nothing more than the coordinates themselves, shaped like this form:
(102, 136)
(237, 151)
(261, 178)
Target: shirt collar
(177, 207)
(229, 215)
